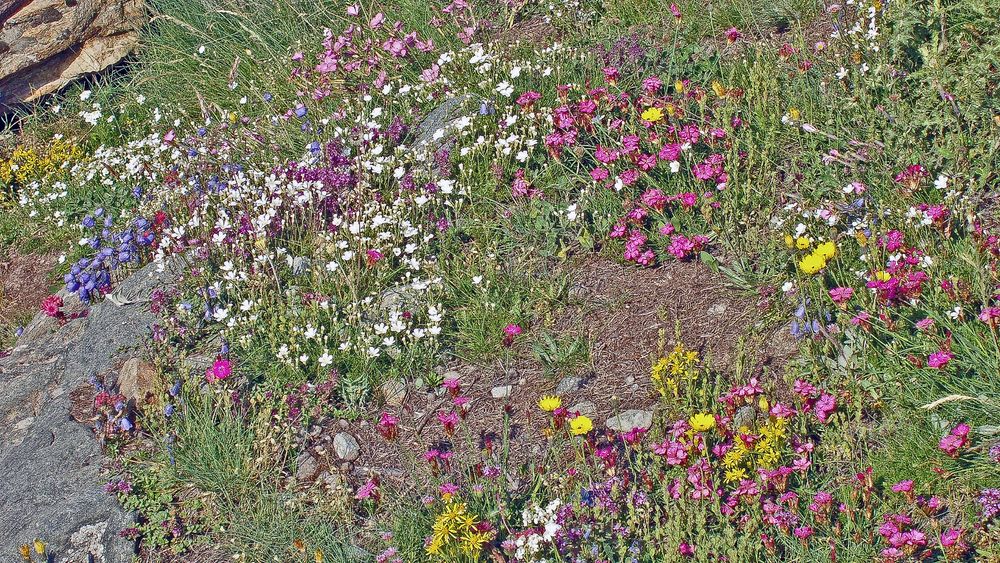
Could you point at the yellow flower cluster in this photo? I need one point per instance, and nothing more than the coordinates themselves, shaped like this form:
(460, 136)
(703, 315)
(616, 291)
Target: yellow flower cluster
(456, 534)
(742, 461)
(27, 163)
(681, 363)
(816, 260)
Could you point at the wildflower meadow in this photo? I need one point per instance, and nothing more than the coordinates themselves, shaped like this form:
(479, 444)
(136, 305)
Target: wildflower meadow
(580, 281)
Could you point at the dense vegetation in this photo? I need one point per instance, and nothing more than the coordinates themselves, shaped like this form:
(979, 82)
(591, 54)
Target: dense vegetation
(835, 164)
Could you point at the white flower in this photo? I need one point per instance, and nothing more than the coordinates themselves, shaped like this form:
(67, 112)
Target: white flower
(942, 182)
(220, 314)
(326, 359)
(85, 95)
(841, 74)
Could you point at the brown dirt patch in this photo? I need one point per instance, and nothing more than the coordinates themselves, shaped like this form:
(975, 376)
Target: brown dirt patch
(621, 311)
(24, 282)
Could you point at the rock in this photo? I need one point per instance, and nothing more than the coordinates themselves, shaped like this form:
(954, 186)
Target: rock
(346, 446)
(306, 467)
(301, 265)
(394, 392)
(586, 408)
(626, 421)
(502, 391)
(44, 44)
(51, 463)
(136, 379)
(718, 309)
(441, 118)
(569, 384)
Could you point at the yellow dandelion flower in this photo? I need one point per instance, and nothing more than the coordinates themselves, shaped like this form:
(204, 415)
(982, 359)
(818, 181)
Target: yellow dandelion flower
(794, 113)
(580, 425)
(827, 250)
(701, 422)
(679, 86)
(719, 89)
(789, 241)
(812, 263)
(549, 403)
(802, 243)
(39, 546)
(652, 115)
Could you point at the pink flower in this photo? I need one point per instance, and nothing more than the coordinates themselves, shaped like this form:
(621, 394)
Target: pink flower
(990, 316)
(448, 489)
(368, 491)
(955, 440)
(825, 407)
(219, 371)
(377, 20)
(939, 359)
(388, 426)
(675, 11)
(903, 487)
(449, 421)
(685, 549)
(51, 306)
(841, 295)
(509, 332)
(733, 35)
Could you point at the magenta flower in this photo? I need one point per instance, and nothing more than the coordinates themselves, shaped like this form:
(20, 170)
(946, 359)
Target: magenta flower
(733, 35)
(841, 295)
(219, 371)
(368, 491)
(939, 359)
(51, 306)
(903, 487)
(955, 440)
(388, 426)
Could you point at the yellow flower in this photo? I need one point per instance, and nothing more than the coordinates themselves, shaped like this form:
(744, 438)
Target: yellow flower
(580, 425)
(794, 113)
(652, 115)
(862, 238)
(763, 404)
(827, 250)
(737, 474)
(802, 243)
(719, 89)
(702, 421)
(812, 263)
(882, 275)
(25, 551)
(318, 556)
(789, 241)
(679, 86)
(549, 403)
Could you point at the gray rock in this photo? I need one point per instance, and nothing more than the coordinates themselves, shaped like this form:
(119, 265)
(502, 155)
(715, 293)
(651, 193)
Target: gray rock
(442, 117)
(394, 392)
(51, 463)
(346, 446)
(569, 384)
(586, 408)
(502, 391)
(306, 467)
(718, 309)
(300, 265)
(625, 421)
